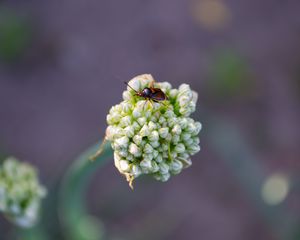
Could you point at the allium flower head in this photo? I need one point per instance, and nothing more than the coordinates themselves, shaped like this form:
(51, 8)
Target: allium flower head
(20, 192)
(155, 138)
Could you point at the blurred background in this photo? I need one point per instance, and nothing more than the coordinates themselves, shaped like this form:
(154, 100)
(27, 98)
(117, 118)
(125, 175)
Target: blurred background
(62, 66)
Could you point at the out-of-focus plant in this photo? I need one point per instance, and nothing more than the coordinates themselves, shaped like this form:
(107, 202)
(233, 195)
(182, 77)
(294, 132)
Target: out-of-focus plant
(15, 35)
(229, 75)
(20, 192)
(232, 148)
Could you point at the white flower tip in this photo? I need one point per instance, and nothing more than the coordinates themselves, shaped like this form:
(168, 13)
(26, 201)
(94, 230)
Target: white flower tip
(139, 82)
(124, 166)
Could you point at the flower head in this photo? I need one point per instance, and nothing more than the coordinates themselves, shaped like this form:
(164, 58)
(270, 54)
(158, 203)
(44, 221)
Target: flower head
(155, 138)
(20, 192)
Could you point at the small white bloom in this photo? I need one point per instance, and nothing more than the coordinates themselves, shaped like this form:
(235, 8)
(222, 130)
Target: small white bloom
(136, 171)
(162, 120)
(173, 93)
(183, 123)
(175, 139)
(130, 157)
(126, 106)
(165, 177)
(196, 140)
(127, 96)
(123, 153)
(153, 136)
(144, 131)
(187, 162)
(163, 132)
(165, 86)
(147, 156)
(155, 153)
(142, 121)
(152, 126)
(155, 167)
(179, 148)
(162, 177)
(158, 158)
(122, 142)
(134, 150)
(148, 148)
(125, 121)
(198, 127)
(185, 136)
(124, 166)
(176, 166)
(176, 129)
(146, 165)
(169, 114)
(165, 147)
(193, 149)
(136, 126)
(163, 168)
(129, 131)
(137, 139)
(154, 144)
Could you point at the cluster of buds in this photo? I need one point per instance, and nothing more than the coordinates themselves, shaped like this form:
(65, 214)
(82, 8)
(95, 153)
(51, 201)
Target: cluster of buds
(153, 137)
(20, 192)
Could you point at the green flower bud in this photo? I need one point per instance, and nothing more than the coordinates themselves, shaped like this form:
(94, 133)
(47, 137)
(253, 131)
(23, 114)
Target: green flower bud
(176, 129)
(121, 142)
(179, 148)
(136, 171)
(163, 168)
(124, 166)
(137, 139)
(20, 192)
(176, 167)
(129, 131)
(134, 150)
(144, 131)
(146, 165)
(148, 149)
(163, 132)
(155, 138)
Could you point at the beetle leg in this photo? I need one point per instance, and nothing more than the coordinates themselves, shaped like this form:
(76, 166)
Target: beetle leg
(146, 100)
(164, 104)
(151, 102)
(160, 102)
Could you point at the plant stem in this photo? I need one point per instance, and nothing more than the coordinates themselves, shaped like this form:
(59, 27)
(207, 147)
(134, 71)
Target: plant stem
(250, 173)
(78, 225)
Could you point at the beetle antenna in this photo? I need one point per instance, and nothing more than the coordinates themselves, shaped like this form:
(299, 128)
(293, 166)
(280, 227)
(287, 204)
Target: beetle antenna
(130, 86)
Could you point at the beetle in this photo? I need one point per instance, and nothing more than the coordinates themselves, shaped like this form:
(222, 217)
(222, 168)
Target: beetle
(150, 93)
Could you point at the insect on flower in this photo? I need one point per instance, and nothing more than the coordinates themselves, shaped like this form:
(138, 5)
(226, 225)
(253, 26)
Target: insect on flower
(150, 93)
(157, 141)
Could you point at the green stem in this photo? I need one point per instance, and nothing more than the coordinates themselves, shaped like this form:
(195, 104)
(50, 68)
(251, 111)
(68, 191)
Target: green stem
(239, 157)
(78, 225)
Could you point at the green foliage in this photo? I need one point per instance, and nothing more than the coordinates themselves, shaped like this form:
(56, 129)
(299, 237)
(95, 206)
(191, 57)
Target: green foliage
(15, 35)
(229, 75)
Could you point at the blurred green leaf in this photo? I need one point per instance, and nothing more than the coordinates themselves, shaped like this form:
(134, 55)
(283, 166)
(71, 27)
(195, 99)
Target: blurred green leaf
(229, 74)
(15, 35)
